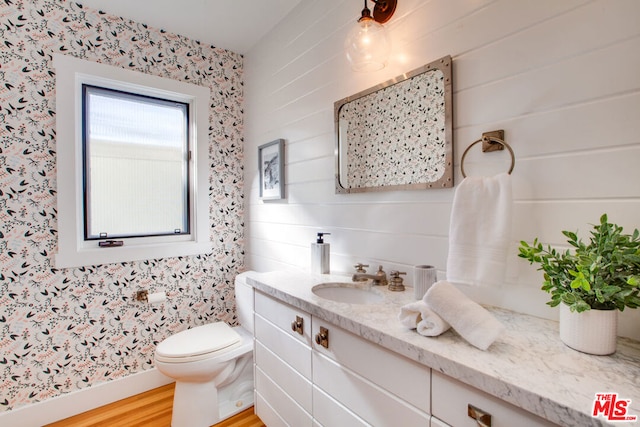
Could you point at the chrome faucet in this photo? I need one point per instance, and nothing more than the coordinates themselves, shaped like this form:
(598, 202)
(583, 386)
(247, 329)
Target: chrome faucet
(380, 278)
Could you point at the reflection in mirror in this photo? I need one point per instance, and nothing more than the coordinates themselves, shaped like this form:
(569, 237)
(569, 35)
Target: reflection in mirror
(397, 135)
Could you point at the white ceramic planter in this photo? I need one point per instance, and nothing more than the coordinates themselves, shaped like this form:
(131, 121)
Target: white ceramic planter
(592, 331)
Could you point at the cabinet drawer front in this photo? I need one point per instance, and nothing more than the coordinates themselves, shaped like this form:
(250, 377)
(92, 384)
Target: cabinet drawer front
(283, 315)
(283, 405)
(294, 384)
(365, 399)
(328, 412)
(438, 423)
(284, 346)
(451, 399)
(405, 378)
(267, 414)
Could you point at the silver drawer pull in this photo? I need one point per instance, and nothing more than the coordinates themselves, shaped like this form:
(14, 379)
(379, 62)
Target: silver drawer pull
(482, 418)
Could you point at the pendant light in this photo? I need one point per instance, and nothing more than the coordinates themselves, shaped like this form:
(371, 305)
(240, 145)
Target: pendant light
(367, 45)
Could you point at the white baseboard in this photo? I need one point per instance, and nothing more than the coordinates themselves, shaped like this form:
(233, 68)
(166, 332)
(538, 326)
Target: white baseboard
(77, 402)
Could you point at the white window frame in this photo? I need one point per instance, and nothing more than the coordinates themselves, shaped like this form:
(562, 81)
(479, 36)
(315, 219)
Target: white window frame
(73, 250)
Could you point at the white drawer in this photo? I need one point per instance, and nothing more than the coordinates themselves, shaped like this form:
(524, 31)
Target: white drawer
(283, 315)
(368, 401)
(438, 423)
(283, 405)
(284, 345)
(294, 384)
(450, 400)
(267, 414)
(328, 412)
(405, 378)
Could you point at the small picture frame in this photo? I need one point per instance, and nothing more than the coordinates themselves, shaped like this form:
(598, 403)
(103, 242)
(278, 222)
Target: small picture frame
(271, 169)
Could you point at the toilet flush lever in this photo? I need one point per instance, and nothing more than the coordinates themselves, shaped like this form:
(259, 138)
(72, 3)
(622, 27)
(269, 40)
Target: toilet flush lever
(297, 325)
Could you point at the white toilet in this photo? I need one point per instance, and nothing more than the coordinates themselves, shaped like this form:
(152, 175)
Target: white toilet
(212, 365)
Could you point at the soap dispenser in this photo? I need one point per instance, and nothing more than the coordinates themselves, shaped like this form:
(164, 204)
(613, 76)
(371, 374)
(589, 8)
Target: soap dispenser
(320, 255)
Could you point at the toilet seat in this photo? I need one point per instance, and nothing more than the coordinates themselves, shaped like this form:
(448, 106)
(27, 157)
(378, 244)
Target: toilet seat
(201, 342)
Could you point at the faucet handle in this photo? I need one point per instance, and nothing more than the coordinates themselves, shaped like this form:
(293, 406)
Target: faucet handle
(382, 277)
(396, 281)
(360, 267)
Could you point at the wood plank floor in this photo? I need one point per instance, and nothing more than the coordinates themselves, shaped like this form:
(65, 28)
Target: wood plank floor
(149, 409)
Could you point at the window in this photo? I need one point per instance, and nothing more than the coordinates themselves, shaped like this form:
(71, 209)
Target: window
(130, 138)
(132, 159)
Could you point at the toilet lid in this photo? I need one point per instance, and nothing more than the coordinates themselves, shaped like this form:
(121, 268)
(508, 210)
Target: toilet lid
(198, 341)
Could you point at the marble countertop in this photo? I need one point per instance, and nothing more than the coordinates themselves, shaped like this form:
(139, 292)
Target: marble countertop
(527, 366)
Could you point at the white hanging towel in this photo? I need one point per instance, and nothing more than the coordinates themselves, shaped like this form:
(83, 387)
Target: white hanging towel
(479, 233)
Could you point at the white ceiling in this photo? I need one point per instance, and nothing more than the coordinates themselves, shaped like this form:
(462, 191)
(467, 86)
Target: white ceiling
(236, 25)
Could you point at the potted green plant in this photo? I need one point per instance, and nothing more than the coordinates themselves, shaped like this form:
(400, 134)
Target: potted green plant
(591, 284)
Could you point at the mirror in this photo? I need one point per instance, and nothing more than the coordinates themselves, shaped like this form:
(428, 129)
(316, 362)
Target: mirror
(397, 135)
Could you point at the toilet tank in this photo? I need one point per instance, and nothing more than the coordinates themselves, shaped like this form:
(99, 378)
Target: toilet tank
(244, 301)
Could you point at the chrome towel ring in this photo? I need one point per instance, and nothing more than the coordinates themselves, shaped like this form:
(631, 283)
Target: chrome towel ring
(488, 142)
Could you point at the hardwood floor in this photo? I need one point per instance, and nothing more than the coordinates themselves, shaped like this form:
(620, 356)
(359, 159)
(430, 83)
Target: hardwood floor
(149, 409)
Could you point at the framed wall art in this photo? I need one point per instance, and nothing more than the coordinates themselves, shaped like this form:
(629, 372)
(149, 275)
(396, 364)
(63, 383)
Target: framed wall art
(271, 169)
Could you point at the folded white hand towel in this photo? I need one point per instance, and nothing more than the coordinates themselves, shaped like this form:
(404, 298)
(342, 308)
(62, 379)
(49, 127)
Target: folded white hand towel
(479, 232)
(469, 319)
(417, 315)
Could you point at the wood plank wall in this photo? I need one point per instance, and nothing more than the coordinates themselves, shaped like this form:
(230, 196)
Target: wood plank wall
(562, 78)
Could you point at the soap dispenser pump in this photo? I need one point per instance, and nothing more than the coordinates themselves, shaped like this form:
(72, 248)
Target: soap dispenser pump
(320, 255)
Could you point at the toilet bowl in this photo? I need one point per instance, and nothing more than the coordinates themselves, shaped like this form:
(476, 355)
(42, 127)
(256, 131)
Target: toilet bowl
(212, 365)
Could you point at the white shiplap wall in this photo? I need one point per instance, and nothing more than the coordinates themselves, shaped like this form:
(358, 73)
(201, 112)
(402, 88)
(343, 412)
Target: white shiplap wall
(562, 78)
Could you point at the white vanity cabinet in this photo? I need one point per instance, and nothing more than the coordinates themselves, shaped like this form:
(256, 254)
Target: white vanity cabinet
(312, 373)
(355, 378)
(351, 383)
(454, 403)
(282, 363)
(362, 376)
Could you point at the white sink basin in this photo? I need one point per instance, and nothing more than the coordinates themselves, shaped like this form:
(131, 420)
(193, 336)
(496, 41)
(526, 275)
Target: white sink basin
(347, 292)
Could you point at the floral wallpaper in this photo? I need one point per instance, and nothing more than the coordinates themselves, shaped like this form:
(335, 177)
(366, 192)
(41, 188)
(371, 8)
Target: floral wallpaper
(63, 330)
(384, 138)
